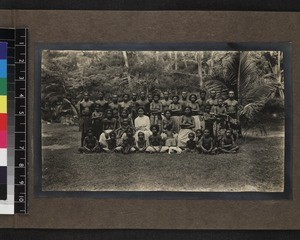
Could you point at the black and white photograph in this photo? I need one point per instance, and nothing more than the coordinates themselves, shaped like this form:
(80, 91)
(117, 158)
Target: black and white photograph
(172, 121)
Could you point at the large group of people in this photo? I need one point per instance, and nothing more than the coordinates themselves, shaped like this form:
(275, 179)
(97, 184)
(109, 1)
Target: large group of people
(147, 123)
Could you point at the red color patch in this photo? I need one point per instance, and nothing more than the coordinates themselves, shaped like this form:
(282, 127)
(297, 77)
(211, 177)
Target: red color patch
(3, 122)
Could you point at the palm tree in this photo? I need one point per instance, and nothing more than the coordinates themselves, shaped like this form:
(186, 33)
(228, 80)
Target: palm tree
(253, 90)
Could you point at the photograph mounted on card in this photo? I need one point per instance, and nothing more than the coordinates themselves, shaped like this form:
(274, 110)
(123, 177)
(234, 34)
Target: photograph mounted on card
(193, 120)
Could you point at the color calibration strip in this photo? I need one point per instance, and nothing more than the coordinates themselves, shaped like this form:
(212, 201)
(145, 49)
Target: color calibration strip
(3, 121)
(15, 200)
(7, 35)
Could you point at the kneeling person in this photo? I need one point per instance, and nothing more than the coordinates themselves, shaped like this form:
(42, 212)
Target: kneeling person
(155, 141)
(90, 144)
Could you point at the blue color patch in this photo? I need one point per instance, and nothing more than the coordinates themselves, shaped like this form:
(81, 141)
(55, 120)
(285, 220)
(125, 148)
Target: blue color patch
(3, 68)
(3, 50)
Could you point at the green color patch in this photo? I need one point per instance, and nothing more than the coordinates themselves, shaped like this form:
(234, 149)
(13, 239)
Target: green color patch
(3, 86)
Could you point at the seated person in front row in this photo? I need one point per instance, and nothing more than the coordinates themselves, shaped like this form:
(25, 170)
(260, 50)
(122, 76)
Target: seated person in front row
(191, 143)
(111, 143)
(171, 140)
(206, 143)
(155, 141)
(128, 143)
(90, 144)
(228, 144)
(141, 143)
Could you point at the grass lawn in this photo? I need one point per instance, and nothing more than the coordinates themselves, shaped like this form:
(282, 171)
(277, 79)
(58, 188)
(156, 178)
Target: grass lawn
(258, 167)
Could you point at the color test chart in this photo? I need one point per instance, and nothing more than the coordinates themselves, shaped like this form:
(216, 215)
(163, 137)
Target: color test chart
(13, 124)
(3, 121)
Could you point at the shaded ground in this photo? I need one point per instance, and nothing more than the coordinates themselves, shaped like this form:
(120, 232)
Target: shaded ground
(257, 167)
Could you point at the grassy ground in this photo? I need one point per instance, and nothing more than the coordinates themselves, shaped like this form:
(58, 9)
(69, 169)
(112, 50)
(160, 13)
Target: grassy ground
(257, 167)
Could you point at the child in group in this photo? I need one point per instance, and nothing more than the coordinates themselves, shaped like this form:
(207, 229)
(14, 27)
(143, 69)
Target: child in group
(195, 110)
(171, 139)
(125, 122)
(155, 111)
(191, 143)
(206, 143)
(187, 125)
(114, 104)
(167, 122)
(199, 134)
(97, 117)
(126, 104)
(209, 119)
(155, 141)
(128, 143)
(141, 143)
(111, 143)
(228, 144)
(90, 144)
(176, 110)
(109, 125)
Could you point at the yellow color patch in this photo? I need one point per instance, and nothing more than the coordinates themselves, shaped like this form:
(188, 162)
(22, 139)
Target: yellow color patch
(3, 104)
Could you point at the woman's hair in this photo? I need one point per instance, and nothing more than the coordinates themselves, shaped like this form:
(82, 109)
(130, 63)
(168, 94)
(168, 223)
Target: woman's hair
(139, 108)
(168, 110)
(175, 96)
(156, 95)
(188, 108)
(190, 97)
(126, 94)
(154, 126)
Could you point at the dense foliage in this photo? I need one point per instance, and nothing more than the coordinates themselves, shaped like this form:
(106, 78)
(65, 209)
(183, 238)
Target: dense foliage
(256, 76)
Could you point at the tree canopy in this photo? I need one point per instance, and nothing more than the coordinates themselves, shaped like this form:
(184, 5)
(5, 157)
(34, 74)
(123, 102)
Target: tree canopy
(256, 76)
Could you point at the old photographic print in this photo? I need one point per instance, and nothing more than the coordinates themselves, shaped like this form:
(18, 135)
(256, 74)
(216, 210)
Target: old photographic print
(186, 121)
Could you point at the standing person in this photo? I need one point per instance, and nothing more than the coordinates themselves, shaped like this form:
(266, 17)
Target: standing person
(202, 101)
(213, 100)
(156, 142)
(209, 119)
(227, 143)
(109, 125)
(195, 111)
(150, 97)
(97, 117)
(155, 111)
(166, 101)
(231, 106)
(142, 124)
(102, 103)
(187, 124)
(133, 105)
(114, 103)
(126, 105)
(184, 100)
(176, 110)
(90, 144)
(168, 122)
(85, 109)
(144, 103)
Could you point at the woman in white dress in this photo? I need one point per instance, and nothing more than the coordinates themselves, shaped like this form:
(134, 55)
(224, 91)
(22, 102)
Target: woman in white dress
(142, 124)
